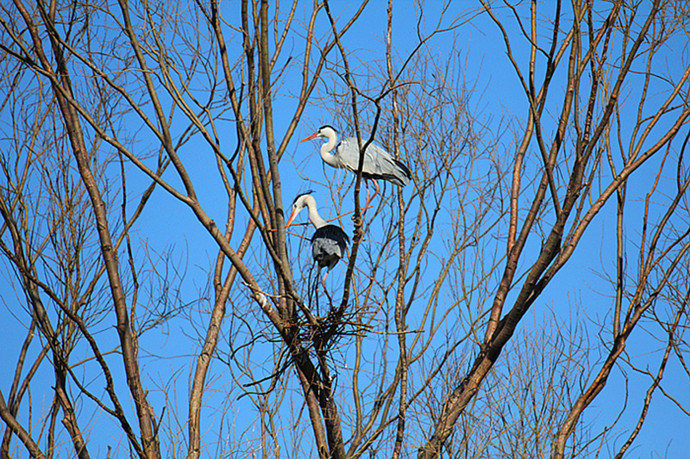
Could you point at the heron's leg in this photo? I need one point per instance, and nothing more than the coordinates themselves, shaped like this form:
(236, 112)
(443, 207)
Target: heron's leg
(367, 204)
(316, 288)
(323, 282)
(369, 199)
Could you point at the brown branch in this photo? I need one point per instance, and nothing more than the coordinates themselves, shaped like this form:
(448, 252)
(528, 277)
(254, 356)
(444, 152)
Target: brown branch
(23, 435)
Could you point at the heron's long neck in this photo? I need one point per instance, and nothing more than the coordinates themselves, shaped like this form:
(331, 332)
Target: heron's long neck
(314, 216)
(326, 149)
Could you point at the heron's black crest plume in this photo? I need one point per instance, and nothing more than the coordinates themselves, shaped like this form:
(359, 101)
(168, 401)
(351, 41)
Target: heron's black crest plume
(329, 126)
(302, 194)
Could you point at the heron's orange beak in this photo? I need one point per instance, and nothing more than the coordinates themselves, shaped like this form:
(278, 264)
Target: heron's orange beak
(311, 137)
(292, 217)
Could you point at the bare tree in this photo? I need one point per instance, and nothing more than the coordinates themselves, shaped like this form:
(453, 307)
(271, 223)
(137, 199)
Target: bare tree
(422, 343)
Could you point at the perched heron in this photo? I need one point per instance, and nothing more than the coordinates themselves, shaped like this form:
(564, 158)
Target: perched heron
(378, 163)
(329, 242)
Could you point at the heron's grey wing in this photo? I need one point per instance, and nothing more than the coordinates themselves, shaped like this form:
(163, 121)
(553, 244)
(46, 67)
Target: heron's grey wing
(378, 163)
(328, 245)
(389, 168)
(348, 150)
(383, 161)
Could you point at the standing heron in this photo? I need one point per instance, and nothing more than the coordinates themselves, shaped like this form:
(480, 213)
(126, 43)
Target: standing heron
(329, 242)
(378, 163)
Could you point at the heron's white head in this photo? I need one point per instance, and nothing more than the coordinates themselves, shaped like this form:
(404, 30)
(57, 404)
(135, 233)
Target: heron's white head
(324, 132)
(301, 201)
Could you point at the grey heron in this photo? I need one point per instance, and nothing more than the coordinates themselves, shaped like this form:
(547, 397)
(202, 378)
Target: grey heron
(328, 243)
(378, 163)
